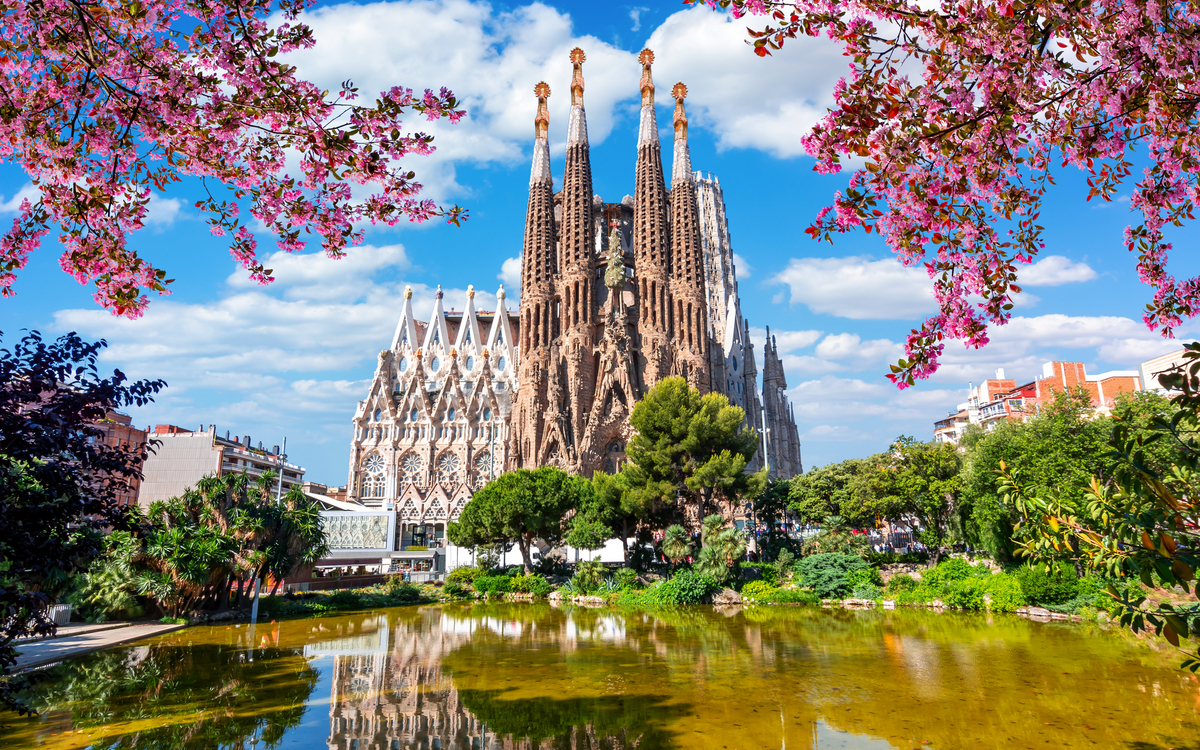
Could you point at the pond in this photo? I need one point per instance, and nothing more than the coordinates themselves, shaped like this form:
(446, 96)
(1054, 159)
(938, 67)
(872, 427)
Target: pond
(531, 675)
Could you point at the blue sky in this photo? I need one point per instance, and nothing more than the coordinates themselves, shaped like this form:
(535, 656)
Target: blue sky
(293, 358)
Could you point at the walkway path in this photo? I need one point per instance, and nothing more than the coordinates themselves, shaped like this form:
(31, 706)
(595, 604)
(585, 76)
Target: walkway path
(76, 640)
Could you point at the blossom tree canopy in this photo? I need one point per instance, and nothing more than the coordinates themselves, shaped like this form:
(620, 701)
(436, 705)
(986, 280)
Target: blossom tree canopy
(962, 108)
(103, 101)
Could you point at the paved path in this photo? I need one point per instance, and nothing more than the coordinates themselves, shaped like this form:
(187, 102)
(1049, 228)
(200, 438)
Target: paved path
(40, 653)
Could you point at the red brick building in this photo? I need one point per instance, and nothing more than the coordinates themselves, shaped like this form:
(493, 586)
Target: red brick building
(119, 432)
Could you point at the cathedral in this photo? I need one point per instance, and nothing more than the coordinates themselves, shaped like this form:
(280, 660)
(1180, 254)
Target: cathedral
(614, 297)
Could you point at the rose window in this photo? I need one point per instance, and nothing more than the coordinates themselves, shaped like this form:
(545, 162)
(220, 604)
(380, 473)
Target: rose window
(372, 483)
(410, 469)
(483, 469)
(448, 469)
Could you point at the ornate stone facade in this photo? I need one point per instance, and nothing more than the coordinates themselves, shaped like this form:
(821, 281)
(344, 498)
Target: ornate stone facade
(434, 425)
(614, 297)
(617, 296)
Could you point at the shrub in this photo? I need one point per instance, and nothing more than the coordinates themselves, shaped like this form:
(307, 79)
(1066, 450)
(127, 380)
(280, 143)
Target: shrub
(465, 574)
(966, 593)
(530, 584)
(589, 575)
(344, 600)
(947, 571)
(901, 582)
(625, 578)
(866, 591)
(825, 573)
(783, 564)
(864, 577)
(1054, 587)
(403, 592)
(493, 584)
(918, 595)
(757, 590)
(685, 587)
(1006, 593)
(893, 558)
(768, 572)
(455, 590)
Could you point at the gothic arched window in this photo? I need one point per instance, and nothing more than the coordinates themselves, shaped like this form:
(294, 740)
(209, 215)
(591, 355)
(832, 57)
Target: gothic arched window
(483, 468)
(409, 469)
(373, 480)
(615, 457)
(449, 469)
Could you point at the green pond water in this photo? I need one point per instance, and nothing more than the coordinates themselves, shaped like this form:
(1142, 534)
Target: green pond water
(525, 676)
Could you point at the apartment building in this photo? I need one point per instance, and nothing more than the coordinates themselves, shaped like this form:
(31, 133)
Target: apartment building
(182, 457)
(998, 399)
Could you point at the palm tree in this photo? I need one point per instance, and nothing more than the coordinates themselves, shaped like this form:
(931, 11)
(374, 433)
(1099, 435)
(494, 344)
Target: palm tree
(676, 546)
(722, 548)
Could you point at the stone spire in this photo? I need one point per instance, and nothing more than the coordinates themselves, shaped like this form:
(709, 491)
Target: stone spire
(689, 334)
(539, 267)
(650, 239)
(577, 268)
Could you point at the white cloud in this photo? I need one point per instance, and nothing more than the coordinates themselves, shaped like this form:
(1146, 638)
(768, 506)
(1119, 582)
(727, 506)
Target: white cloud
(510, 274)
(743, 267)
(748, 101)
(13, 204)
(1054, 270)
(787, 341)
(850, 348)
(284, 357)
(162, 212)
(859, 287)
(635, 15)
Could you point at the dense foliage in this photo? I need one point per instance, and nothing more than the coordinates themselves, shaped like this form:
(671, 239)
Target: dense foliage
(105, 103)
(520, 507)
(960, 113)
(826, 573)
(59, 481)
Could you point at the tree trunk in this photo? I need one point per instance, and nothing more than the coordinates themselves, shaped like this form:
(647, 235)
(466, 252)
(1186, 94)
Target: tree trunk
(524, 544)
(625, 543)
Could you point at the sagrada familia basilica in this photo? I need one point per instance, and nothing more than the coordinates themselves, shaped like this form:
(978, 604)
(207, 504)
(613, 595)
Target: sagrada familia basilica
(614, 297)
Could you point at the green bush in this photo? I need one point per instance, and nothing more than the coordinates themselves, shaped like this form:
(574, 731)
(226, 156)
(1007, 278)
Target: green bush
(1048, 587)
(948, 571)
(966, 593)
(589, 575)
(866, 591)
(455, 590)
(465, 574)
(530, 584)
(757, 590)
(901, 582)
(784, 564)
(685, 587)
(405, 593)
(892, 558)
(1006, 593)
(864, 577)
(825, 573)
(344, 600)
(625, 578)
(919, 595)
(768, 572)
(493, 584)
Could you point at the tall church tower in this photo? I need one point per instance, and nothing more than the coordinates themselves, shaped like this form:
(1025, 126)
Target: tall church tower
(539, 265)
(650, 238)
(577, 285)
(688, 315)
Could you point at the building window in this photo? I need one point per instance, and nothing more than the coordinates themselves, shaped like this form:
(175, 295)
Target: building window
(404, 364)
(378, 415)
(451, 414)
(372, 483)
(413, 416)
(410, 469)
(449, 469)
(483, 468)
(501, 364)
(487, 415)
(435, 364)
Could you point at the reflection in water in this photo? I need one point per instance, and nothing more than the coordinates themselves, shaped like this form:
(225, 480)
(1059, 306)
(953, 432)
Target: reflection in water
(533, 676)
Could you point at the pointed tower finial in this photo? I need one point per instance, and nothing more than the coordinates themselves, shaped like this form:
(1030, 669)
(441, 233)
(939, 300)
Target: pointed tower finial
(439, 292)
(541, 121)
(679, 91)
(646, 58)
(470, 291)
(408, 292)
(577, 59)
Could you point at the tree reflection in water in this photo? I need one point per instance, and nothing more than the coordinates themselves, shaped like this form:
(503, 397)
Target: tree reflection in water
(519, 676)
